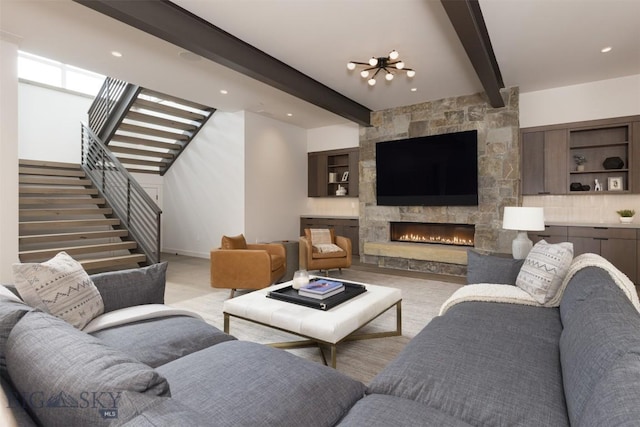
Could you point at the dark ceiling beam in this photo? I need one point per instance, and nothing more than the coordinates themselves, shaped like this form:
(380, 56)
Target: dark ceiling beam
(467, 20)
(178, 26)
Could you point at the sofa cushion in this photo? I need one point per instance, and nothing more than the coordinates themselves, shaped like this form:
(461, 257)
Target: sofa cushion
(233, 242)
(601, 330)
(61, 287)
(12, 411)
(11, 311)
(484, 363)
(379, 410)
(544, 269)
(128, 288)
(614, 401)
(71, 378)
(168, 412)
(251, 384)
(492, 269)
(158, 341)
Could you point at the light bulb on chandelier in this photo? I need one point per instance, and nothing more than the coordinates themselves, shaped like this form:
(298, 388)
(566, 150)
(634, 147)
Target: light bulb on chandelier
(388, 64)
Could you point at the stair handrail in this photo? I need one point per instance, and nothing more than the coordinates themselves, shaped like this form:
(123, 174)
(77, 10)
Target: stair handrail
(132, 205)
(110, 107)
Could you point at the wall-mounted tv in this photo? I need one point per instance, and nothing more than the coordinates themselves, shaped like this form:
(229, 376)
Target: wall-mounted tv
(438, 170)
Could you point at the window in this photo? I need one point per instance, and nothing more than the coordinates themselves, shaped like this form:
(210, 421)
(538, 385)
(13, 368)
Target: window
(53, 73)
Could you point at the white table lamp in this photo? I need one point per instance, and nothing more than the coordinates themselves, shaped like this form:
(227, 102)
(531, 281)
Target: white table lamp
(522, 219)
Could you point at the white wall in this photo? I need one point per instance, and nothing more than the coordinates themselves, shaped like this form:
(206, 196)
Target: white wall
(589, 101)
(8, 156)
(596, 100)
(332, 138)
(204, 189)
(49, 123)
(276, 179)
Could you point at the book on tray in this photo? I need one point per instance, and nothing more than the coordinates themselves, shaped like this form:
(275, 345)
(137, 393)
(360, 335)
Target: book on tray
(321, 289)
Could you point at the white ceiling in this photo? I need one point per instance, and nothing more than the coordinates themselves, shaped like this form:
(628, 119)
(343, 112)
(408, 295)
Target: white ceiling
(539, 44)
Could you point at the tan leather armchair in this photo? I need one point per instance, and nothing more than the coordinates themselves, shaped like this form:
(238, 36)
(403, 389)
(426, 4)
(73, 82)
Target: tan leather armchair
(312, 259)
(238, 265)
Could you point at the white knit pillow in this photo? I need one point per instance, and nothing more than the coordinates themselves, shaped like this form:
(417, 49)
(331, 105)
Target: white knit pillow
(544, 269)
(60, 287)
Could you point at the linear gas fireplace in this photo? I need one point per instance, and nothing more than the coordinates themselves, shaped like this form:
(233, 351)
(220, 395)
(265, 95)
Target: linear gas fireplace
(425, 232)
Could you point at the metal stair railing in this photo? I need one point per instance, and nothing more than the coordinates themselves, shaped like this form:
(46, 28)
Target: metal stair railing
(110, 107)
(130, 203)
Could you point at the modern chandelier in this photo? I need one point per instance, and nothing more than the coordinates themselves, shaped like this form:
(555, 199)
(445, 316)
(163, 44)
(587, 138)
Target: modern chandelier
(386, 64)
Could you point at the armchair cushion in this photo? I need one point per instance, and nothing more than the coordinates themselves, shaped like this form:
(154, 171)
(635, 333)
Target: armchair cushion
(233, 242)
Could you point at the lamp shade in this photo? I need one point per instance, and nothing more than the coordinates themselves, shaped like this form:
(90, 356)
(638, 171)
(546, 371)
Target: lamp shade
(523, 218)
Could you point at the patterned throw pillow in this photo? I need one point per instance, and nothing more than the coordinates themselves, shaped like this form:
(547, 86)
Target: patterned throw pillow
(544, 269)
(60, 287)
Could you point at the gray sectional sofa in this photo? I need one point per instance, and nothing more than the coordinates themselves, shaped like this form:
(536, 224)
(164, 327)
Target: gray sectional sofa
(478, 364)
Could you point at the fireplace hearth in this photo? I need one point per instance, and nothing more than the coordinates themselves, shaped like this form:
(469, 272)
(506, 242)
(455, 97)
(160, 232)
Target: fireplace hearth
(425, 232)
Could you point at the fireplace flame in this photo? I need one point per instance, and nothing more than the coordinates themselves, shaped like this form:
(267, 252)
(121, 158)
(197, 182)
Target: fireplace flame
(455, 240)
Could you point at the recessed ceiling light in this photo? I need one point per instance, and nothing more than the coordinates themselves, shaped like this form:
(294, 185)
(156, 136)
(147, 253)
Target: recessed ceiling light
(223, 91)
(116, 54)
(289, 115)
(606, 49)
(414, 89)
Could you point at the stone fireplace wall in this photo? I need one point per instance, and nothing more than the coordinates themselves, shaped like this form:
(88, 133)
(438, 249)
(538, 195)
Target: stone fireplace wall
(498, 174)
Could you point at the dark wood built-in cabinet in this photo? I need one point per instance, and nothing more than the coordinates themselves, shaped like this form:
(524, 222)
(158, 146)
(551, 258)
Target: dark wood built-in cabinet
(621, 246)
(330, 169)
(548, 157)
(348, 227)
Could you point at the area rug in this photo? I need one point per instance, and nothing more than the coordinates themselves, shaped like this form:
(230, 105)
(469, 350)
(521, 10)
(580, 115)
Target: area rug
(361, 360)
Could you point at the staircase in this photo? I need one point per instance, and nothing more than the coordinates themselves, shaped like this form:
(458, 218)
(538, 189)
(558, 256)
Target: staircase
(61, 210)
(146, 130)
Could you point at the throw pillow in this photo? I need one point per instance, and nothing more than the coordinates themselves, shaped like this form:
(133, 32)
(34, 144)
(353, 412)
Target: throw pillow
(60, 287)
(128, 288)
(544, 269)
(492, 269)
(75, 378)
(320, 236)
(233, 242)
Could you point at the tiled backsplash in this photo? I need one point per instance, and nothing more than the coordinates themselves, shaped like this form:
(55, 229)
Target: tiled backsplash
(332, 206)
(593, 208)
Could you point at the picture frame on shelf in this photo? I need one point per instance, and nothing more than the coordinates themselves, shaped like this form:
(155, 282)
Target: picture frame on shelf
(614, 183)
(345, 176)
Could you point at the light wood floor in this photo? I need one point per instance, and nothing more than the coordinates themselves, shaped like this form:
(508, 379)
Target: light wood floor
(423, 294)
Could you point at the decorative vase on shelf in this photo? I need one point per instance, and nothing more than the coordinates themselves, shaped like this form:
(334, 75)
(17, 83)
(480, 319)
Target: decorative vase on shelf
(341, 191)
(626, 219)
(580, 168)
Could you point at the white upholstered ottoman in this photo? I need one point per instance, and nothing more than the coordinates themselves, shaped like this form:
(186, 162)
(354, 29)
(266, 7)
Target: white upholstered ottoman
(329, 327)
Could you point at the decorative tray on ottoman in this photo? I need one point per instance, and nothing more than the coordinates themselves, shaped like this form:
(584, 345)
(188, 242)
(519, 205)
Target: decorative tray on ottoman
(289, 294)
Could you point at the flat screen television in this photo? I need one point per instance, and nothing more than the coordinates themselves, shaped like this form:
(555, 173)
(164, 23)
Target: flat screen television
(438, 170)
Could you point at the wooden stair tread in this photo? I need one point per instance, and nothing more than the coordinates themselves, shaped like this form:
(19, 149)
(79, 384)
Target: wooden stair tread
(153, 132)
(48, 164)
(141, 162)
(160, 121)
(41, 254)
(140, 152)
(51, 180)
(61, 201)
(57, 190)
(144, 141)
(80, 235)
(50, 172)
(66, 223)
(179, 101)
(93, 264)
(151, 171)
(167, 109)
(65, 212)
